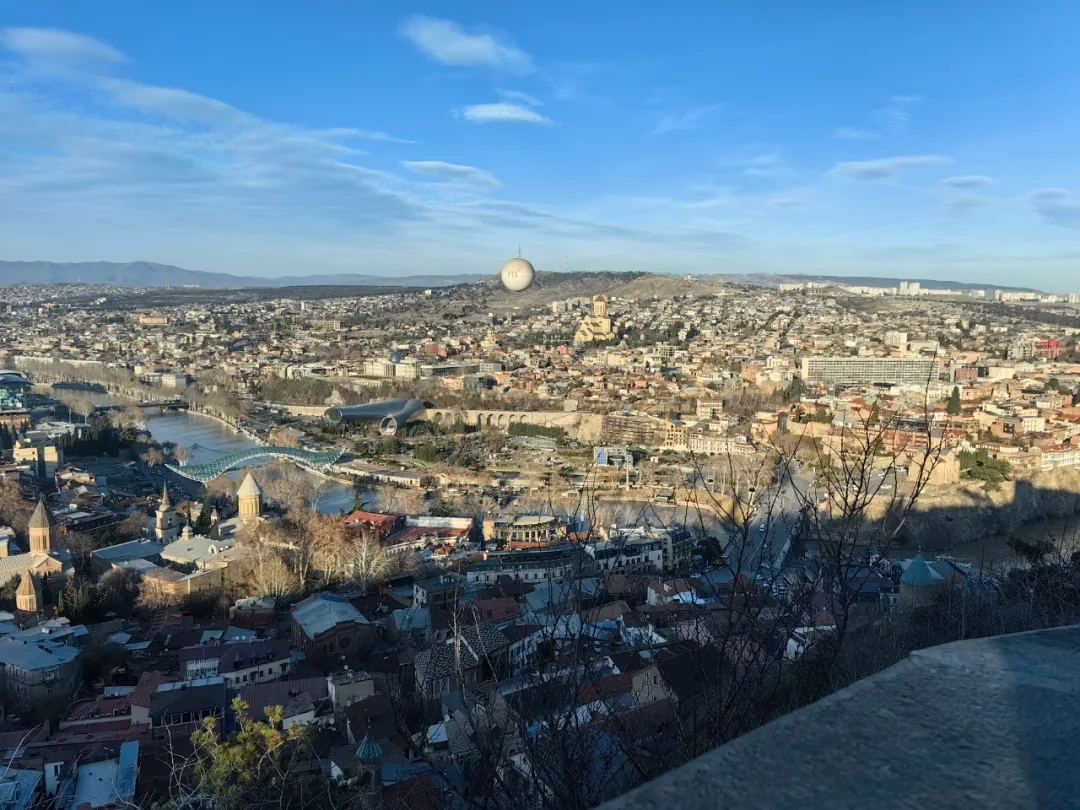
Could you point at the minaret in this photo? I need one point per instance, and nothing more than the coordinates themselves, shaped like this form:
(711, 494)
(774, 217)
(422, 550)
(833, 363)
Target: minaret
(369, 756)
(42, 529)
(27, 597)
(166, 527)
(249, 498)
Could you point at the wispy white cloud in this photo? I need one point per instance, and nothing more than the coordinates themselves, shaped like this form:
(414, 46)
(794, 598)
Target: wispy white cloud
(693, 118)
(769, 164)
(895, 117)
(502, 112)
(968, 181)
(467, 175)
(884, 168)
(172, 102)
(1057, 206)
(375, 135)
(892, 119)
(90, 145)
(59, 49)
(444, 41)
(853, 134)
(518, 96)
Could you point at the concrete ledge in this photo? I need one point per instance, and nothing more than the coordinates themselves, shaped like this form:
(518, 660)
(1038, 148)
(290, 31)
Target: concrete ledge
(975, 724)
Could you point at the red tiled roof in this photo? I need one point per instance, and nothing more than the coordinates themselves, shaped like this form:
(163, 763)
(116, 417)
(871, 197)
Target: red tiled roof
(372, 518)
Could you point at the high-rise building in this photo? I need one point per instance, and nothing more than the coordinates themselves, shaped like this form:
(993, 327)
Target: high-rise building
(897, 339)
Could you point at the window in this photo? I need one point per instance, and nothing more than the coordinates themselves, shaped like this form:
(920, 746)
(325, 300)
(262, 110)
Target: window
(345, 642)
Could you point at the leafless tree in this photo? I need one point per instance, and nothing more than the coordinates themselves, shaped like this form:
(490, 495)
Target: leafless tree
(288, 486)
(284, 437)
(153, 457)
(401, 501)
(156, 594)
(266, 572)
(369, 562)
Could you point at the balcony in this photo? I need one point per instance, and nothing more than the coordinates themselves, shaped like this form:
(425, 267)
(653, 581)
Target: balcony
(986, 723)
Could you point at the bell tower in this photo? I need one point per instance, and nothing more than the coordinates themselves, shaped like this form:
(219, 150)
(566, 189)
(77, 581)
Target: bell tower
(369, 772)
(166, 526)
(249, 498)
(42, 529)
(28, 597)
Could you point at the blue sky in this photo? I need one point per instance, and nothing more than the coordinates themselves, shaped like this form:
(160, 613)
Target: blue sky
(922, 139)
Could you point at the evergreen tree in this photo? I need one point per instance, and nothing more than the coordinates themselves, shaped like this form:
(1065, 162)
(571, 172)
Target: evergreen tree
(953, 407)
(202, 525)
(75, 602)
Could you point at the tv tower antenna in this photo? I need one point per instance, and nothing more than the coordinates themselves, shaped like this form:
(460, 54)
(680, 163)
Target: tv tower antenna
(519, 250)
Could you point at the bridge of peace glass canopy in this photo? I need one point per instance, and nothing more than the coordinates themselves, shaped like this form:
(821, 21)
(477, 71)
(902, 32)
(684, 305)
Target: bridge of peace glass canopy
(315, 460)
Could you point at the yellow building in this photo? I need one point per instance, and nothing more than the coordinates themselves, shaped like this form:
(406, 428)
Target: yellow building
(43, 456)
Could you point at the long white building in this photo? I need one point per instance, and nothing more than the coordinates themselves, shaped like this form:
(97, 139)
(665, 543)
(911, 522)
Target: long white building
(863, 370)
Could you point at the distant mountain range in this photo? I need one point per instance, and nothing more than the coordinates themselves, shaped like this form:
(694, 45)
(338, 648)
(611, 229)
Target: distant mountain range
(151, 274)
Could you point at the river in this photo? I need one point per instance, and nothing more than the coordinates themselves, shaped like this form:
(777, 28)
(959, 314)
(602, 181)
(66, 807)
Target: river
(207, 438)
(995, 552)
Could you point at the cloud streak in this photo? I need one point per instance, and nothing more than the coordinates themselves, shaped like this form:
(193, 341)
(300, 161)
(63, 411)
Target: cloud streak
(785, 202)
(892, 119)
(884, 168)
(1057, 206)
(693, 118)
(59, 49)
(502, 113)
(770, 164)
(968, 182)
(89, 145)
(466, 175)
(445, 42)
(519, 97)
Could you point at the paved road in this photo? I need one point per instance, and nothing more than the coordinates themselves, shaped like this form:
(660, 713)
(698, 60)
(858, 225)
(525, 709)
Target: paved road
(776, 517)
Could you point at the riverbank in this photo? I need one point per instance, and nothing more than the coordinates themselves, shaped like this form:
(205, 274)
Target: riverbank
(965, 513)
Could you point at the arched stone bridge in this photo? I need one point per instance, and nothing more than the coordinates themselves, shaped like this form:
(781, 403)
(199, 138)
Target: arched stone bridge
(209, 470)
(580, 425)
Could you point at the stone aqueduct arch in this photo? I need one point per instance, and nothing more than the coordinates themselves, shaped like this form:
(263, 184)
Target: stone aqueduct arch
(499, 419)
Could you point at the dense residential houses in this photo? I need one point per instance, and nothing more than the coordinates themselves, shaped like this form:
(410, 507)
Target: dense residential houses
(512, 588)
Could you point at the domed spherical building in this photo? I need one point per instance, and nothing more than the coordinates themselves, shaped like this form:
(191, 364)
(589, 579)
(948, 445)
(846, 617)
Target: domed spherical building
(517, 274)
